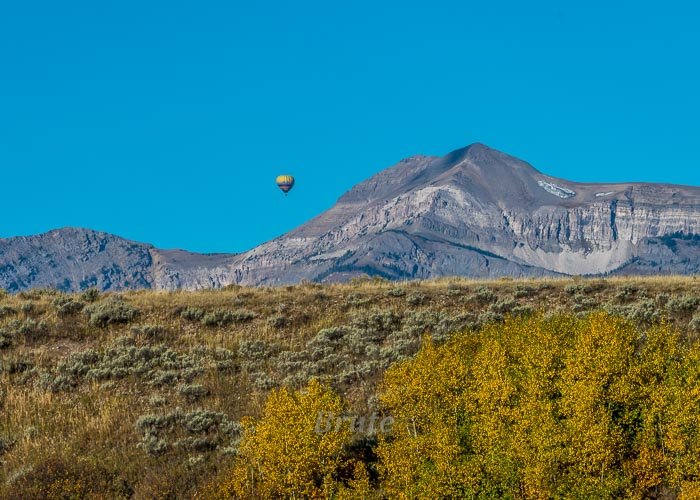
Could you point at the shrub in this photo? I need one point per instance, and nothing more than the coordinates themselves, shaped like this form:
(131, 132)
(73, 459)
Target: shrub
(223, 360)
(662, 299)
(157, 400)
(200, 421)
(158, 365)
(243, 315)
(67, 306)
(262, 381)
(15, 364)
(110, 311)
(192, 314)
(153, 445)
(255, 351)
(396, 292)
(7, 311)
(580, 288)
(583, 303)
(627, 293)
(223, 318)
(522, 291)
(192, 392)
(278, 321)
(90, 295)
(5, 445)
(378, 320)
(152, 423)
(67, 477)
(415, 299)
(58, 383)
(490, 317)
(683, 305)
(522, 311)
(694, 324)
(484, 295)
(29, 329)
(28, 308)
(37, 293)
(6, 339)
(356, 300)
(150, 332)
(198, 444)
(503, 306)
(210, 429)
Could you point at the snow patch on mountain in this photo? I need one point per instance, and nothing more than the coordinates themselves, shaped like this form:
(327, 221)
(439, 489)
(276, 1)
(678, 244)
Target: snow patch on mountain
(559, 191)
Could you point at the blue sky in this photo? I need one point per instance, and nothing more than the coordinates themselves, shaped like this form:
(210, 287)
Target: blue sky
(167, 122)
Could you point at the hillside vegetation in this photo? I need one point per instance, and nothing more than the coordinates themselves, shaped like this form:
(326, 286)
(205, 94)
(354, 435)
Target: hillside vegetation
(496, 389)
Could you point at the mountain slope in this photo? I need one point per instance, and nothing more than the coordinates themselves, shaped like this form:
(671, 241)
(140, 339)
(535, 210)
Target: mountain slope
(479, 212)
(474, 212)
(73, 259)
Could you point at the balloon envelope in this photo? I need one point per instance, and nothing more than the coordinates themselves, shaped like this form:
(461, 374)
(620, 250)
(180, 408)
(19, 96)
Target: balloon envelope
(285, 182)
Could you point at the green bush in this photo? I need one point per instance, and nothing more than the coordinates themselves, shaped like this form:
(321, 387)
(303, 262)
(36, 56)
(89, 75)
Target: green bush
(207, 430)
(683, 305)
(158, 365)
(627, 293)
(484, 295)
(5, 445)
(254, 353)
(503, 306)
(7, 311)
(192, 392)
(415, 299)
(28, 308)
(67, 306)
(644, 312)
(15, 364)
(357, 300)
(278, 321)
(217, 318)
(90, 295)
(577, 288)
(5, 339)
(223, 317)
(522, 291)
(111, 311)
(694, 324)
(150, 332)
(29, 329)
(192, 314)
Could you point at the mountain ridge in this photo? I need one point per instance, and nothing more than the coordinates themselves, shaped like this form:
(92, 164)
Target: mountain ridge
(473, 212)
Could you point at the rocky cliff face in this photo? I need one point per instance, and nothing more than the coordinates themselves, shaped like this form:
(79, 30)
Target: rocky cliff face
(74, 259)
(474, 212)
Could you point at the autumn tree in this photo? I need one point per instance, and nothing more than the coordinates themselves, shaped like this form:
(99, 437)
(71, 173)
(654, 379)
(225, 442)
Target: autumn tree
(286, 454)
(546, 407)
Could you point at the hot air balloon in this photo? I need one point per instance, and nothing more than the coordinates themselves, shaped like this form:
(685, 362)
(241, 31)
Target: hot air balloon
(285, 183)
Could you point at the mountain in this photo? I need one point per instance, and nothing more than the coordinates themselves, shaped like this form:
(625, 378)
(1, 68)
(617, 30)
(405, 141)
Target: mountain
(75, 259)
(474, 212)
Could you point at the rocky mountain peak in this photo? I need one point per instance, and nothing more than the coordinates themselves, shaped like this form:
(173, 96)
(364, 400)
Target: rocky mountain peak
(474, 212)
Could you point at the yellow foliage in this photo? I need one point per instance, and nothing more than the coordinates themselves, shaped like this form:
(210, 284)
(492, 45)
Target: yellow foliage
(282, 454)
(545, 407)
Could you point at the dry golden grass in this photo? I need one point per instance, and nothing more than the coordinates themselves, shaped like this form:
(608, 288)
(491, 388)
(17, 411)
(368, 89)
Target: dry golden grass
(74, 386)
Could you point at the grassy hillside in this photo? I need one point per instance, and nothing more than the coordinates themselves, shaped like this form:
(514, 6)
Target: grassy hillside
(148, 394)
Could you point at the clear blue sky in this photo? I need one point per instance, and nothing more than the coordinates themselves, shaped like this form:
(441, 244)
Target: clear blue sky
(166, 122)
